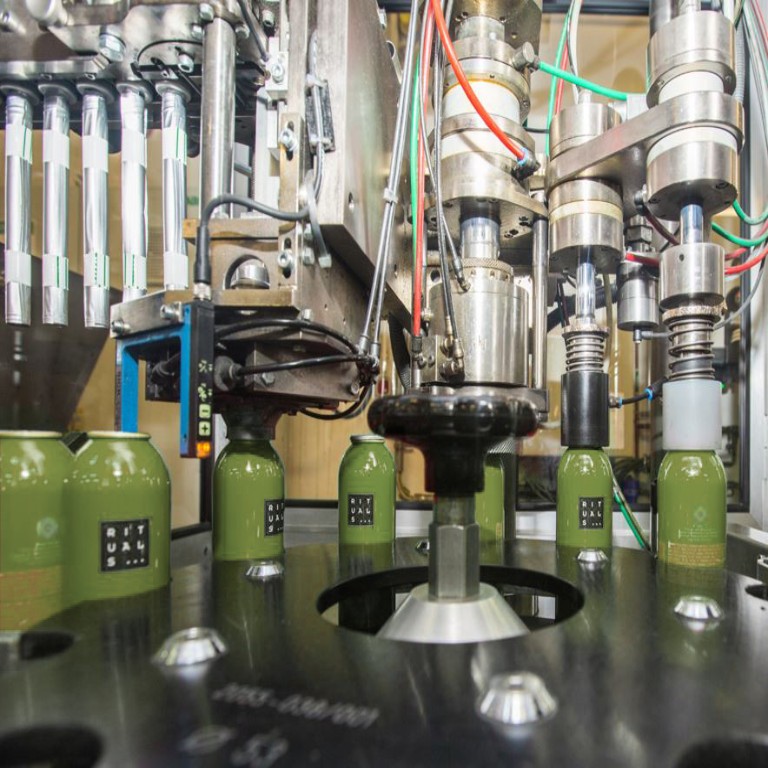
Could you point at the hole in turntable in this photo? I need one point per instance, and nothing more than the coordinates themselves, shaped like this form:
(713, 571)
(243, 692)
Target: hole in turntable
(50, 747)
(759, 591)
(364, 603)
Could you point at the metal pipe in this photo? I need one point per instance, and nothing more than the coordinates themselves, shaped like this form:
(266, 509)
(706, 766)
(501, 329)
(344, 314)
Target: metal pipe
(217, 126)
(174, 122)
(691, 224)
(95, 210)
(661, 12)
(133, 115)
(370, 341)
(540, 288)
(56, 103)
(18, 177)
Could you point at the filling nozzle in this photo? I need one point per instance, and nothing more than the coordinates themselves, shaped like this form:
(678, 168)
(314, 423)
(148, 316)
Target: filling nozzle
(585, 292)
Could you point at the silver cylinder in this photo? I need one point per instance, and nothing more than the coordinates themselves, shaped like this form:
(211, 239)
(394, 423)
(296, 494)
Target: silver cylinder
(18, 177)
(691, 224)
(133, 117)
(638, 299)
(95, 211)
(585, 291)
(174, 122)
(454, 549)
(495, 308)
(217, 129)
(55, 206)
(692, 273)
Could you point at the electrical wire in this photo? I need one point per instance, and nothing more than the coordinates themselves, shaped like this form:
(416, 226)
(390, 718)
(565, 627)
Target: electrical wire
(744, 242)
(746, 218)
(632, 523)
(640, 258)
(202, 269)
(649, 393)
(739, 268)
(450, 52)
(414, 172)
(251, 24)
(572, 42)
(569, 77)
(660, 228)
(294, 365)
(744, 304)
(295, 324)
(349, 412)
(559, 56)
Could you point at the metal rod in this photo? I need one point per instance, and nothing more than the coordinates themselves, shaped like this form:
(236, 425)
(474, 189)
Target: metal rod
(56, 104)
(540, 287)
(95, 211)
(174, 122)
(133, 115)
(217, 128)
(692, 224)
(454, 549)
(585, 291)
(18, 176)
(370, 341)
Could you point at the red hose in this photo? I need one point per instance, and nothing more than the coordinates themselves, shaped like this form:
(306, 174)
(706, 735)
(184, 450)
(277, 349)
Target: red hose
(445, 37)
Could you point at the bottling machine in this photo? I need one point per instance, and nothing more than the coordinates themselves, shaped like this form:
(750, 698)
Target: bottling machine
(312, 228)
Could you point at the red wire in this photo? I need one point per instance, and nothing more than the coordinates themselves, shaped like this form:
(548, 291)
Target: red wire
(648, 261)
(445, 37)
(737, 269)
(426, 46)
(560, 81)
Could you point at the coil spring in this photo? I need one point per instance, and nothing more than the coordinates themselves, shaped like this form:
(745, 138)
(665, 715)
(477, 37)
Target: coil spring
(690, 347)
(584, 350)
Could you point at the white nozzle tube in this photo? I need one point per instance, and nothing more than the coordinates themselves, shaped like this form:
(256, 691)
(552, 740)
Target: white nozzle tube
(55, 207)
(174, 121)
(95, 211)
(133, 120)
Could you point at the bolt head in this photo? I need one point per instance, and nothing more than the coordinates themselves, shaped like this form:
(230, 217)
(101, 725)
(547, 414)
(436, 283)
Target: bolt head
(307, 257)
(186, 62)
(277, 71)
(206, 12)
(242, 32)
(267, 379)
(111, 47)
(306, 314)
(196, 32)
(288, 140)
(267, 20)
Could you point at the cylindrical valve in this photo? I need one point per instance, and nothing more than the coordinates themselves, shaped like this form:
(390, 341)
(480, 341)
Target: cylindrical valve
(18, 175)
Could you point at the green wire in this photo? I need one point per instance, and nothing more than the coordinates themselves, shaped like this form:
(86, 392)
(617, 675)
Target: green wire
(640, 540)
(553, 84)
(414, 155)
(569, 77)
(746, 218)
(742, 241)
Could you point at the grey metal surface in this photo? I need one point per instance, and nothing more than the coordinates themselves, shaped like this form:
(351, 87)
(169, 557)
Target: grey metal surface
(634, 685)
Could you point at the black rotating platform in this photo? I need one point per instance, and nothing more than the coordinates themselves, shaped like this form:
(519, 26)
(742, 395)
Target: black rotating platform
(634, 684)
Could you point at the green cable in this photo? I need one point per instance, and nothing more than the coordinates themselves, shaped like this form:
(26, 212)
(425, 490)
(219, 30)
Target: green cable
(414, 155)
(742, 241)
(581, 82)
(553, 84)
(746, 218)
(640, 540)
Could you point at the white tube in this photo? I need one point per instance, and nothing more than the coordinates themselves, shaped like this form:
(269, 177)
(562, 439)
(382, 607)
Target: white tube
(174, 122)
(133, 119)
(18, 176)
(55, 206)
(95, 211)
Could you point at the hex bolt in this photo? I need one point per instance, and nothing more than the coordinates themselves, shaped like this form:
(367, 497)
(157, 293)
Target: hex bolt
(242, 32)
(288, 140)
(111, 47)
(307, 257)
(306, 314)
(206, 13)
(171, 312)
(196, 32)
(267, 379)
(268, 20)
(119, 327)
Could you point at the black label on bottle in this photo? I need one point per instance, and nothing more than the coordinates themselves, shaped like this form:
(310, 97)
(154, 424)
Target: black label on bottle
(274, 516)
(360, 509)
(591, 512)
(124, 545)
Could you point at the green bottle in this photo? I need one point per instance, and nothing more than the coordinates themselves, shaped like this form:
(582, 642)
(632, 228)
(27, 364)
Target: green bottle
(33, 468)
(248, 501)
(367, 492)
(692, 505)
(117, 532)
(585, 499)
(489, 503)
